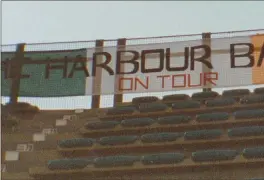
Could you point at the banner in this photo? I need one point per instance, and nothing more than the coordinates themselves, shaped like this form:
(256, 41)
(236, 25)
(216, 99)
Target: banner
(221, 62)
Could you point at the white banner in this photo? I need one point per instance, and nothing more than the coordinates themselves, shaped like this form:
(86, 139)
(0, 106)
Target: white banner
(222, 62)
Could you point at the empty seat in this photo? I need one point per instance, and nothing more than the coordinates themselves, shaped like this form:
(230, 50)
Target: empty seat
(246, 131)
(255, 152)
(174, 119)
(249, 114)
(203, 134)
(152, 107)
(162, 158)
(117, 140)
(176, 97)
(67, 164)
(137, 122)
(220, 102)
(214, 155)
(186, 104)
(217, 116)
(112, 161)
(146, 99)
(204, 95)
(101, 125)
(252, 99)
(259, 90)
(235, 92)
(77, 142)
(121, 110)
(160, 137)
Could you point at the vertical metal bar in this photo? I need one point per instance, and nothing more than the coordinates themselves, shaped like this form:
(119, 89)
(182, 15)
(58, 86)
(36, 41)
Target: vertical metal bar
(207, 41)
(98, 77)
(16, 71)
(118, 97)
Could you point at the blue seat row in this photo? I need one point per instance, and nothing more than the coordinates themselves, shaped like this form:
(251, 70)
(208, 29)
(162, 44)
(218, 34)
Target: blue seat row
(204, 95)
(255, 152)
(197, 96)
(186, 104)
(160, 158)
(145, 99)
(257, 98)
(214, 155)
(249, 114)
(160, 137)
(176, 97)
(220, 102)
(113, 161)
(217, 116)
(259, 90)
(246, 131)
(121, 110)
(203, 134)
(152, 107)
(163, 137)
(235, 92)
(117, 140)
(67, 164)
(76, 142)
(176, 119)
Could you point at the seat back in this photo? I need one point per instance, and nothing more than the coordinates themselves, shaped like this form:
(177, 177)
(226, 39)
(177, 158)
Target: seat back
(186, 105)
(160, 137)
(203, 134)
(137, 122)
(117, 140)
(162, 158)
(217, 116)
(178, 119)
(214, 155)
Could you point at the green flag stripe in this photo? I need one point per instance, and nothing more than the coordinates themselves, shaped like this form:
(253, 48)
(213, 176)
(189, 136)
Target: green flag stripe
(55, 86)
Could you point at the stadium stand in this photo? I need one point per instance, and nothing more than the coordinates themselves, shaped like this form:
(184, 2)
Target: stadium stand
(203, 136)
(143, 140)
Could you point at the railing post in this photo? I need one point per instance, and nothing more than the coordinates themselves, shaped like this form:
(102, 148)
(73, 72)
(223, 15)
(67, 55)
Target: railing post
(206, 37)
(15, 71)
(118, 97)
(97, 80)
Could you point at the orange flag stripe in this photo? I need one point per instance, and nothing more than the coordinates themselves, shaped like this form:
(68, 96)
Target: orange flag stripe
(257, 72)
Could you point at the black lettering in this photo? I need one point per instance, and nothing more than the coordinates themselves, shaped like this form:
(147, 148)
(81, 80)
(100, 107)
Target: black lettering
(75, 67)
(131, 61)
(102, 65)
(186, 62)
(261, 56)
(248, 54)
(202, 59)
(50, 67)
(161, 60)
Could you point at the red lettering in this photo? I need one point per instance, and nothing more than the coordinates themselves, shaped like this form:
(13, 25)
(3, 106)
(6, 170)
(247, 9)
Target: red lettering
(133, 84)
(121, 84)
(210, 77)
(163, 79)
(138, 81)
(190, 80)
(185, 80)
(174, 79)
